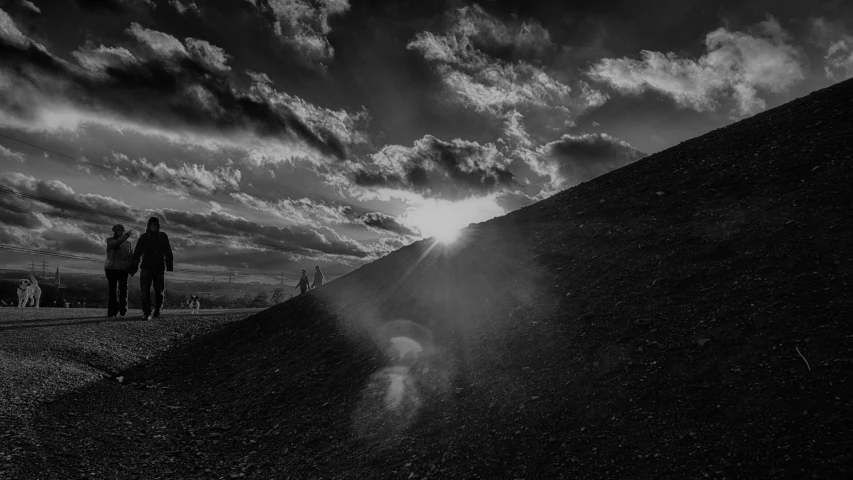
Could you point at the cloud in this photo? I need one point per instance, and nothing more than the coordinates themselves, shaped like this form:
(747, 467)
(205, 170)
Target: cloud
(300, 238)
(161, 44)
(525, 37)
(839, 59)
(303, 210)
(11, 34)
(207, 54)
(514, 129)
(12, 154)
(484, 82)
(452, 170)
(591, 98)
(31, 6)
(388, 223)
(182, 91)
(184, 6)
(578, 158)
(191, 177)
(736, 65)
(11, 217)
(60, 192)
(35, 230)
(308, 211)
(101, 59)
(510, 201)
(236, 232)
(303, 24)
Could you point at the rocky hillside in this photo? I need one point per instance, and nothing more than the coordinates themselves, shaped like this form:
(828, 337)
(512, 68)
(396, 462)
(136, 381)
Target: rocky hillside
(687, 316)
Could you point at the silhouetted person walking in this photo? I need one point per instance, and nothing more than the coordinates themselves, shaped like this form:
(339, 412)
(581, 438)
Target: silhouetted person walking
(303, 282)
(156, 257)
(318, 278)
(117, 267)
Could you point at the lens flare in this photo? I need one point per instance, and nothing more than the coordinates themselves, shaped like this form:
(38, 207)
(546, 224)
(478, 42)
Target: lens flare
(393, 397)
(404, 347)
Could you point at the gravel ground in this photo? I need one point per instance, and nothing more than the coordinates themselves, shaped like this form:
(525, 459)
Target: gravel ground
(47, 352)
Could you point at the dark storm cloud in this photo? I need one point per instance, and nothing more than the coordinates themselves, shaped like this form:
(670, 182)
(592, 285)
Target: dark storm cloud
(59, 192)
(166, 84)
(577, 158)
(452, 170)
(381, 221)
(15, 218)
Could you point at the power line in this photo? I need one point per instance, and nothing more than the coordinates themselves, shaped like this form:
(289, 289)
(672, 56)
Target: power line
(58, 203)
(123, 217)
(128, 219)
(126, 174)
(16, 249)
(230, 273)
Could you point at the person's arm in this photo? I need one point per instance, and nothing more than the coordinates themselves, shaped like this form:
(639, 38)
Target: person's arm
(137, 253)
(169, 256)
(113, 242)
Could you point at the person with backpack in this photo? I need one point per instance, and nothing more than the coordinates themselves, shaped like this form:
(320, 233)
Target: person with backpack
(153, 256)
(303, 284)
(318, 278)
(117, 268)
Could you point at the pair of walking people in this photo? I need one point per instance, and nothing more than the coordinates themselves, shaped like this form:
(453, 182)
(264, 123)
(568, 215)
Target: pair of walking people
(152, 257)
(303, 284)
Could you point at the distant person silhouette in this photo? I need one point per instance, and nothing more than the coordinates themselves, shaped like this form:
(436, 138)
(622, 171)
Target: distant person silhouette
(318, 278)
(303, 282)
(155, 253)
(117, 267)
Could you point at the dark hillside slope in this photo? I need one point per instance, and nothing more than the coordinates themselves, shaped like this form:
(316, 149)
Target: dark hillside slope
(646, 324)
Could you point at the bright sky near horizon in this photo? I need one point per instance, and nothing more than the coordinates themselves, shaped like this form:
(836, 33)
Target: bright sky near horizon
(337, 131)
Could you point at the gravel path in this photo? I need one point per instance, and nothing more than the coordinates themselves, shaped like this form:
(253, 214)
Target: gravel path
(47, 352)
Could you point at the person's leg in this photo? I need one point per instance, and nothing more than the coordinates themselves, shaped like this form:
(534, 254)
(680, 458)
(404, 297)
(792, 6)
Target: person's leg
(122, 292)
(112, 306)
(145, 283)
(159, 288)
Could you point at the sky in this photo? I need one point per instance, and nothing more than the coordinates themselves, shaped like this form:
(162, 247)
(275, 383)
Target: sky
(274, 135)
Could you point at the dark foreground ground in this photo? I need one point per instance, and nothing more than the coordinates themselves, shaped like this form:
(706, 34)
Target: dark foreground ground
(685, 317)
(47, 352)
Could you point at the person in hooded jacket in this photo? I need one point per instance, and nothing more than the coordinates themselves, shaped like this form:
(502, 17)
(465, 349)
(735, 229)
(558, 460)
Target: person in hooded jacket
(153, 256)
(117, 267)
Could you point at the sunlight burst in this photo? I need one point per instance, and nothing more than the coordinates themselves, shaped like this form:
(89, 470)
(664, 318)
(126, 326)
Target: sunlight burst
(444, 220)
